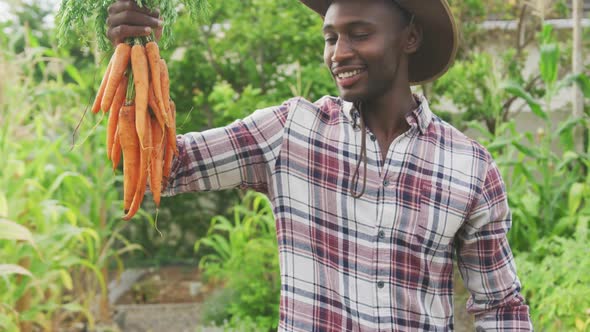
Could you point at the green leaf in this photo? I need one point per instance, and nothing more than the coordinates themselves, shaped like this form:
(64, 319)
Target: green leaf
(58, 181)
(531, 203)
(568, 125)
(517, 90)
(500, 143)
(549, 56)
(582, 228)
(583, 82)
(75, 75)
(575, 197)
(3, 205)
(9, 230)
(527, 151)
(66, 279)
(480, 128)
(567, 158)
(8, 269)
(129, 248)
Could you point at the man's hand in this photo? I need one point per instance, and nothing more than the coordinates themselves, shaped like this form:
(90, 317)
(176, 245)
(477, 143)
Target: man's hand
(126, 19)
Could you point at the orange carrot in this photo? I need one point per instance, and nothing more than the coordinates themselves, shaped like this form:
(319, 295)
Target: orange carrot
(165, 81)
(168, 156)
(173, 127)
(153, 55)
(119, 61)
(139, 65)
(158, 112)
(156, 161)
(144, 159)
(131, 153)
(116, 151)
(101, 89)
(118, 101)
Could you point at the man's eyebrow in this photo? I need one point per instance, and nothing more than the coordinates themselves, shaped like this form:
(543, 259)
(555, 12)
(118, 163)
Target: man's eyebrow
(348, 24)
(327, 27)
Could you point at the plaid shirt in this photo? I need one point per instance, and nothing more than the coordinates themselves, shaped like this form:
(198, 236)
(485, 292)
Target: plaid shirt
(382, 262)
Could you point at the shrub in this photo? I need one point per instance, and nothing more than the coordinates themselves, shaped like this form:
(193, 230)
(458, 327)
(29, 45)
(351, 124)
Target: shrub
(244, 259)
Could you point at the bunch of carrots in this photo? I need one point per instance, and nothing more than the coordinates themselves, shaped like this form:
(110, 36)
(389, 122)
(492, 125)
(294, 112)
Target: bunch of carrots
(141, 126)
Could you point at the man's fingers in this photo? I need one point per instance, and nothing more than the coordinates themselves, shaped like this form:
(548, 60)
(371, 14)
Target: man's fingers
(133, 18)
(119, 33)
(126, 19)
(159, 33)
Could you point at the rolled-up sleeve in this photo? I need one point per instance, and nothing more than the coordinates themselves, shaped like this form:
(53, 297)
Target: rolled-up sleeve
(241, 154)
(486, 262)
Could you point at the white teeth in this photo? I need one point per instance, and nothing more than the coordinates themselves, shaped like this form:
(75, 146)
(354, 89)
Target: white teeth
(348, 74)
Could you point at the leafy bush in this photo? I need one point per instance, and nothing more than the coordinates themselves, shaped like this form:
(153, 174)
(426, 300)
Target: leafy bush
(245, 261)
(555, 277)
(539, 168)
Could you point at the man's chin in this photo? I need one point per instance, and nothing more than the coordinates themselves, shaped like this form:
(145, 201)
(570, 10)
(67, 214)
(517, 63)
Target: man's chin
(352, 97)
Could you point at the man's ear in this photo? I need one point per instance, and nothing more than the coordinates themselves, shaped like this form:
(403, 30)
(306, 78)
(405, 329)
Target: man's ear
(414, 39)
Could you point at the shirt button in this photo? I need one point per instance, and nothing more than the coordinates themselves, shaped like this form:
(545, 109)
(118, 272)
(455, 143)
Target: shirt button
(373, 137)
(380, 284)
(386, 183)
(381, 234)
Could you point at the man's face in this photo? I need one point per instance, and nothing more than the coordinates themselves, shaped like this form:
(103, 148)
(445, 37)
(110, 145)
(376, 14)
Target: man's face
(363, 46)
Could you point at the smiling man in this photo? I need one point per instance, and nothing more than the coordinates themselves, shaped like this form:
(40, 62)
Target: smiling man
(373, 194)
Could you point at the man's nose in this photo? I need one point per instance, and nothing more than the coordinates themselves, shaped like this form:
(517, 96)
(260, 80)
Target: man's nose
(342, 50)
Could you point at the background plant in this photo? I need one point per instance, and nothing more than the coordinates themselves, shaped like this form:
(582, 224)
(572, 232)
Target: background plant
(539, 167)
(244, 259)
(556, 275)
(67, 199)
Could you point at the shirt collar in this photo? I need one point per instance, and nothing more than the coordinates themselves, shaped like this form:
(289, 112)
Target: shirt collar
(420, 117)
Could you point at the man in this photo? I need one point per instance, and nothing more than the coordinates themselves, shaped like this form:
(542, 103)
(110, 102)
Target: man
(372, 192)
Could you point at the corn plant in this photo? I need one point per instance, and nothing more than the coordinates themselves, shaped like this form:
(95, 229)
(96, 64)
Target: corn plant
(540, 169)
(61, 201)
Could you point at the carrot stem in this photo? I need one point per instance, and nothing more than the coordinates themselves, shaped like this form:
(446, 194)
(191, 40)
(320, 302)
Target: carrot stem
(130, 90)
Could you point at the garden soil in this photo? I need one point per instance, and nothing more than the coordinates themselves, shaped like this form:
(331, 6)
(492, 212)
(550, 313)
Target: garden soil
(170, 299)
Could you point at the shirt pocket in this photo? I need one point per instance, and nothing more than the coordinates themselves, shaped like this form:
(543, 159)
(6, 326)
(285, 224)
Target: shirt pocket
(442, 213)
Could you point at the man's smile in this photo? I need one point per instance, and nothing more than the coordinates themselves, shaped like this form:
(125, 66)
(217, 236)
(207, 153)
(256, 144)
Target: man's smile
(348, 76)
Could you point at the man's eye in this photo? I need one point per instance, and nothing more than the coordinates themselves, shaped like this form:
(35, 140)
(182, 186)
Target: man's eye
(330, 39)
(360, 36)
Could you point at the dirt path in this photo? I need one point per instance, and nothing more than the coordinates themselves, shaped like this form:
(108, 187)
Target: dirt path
(170, 299)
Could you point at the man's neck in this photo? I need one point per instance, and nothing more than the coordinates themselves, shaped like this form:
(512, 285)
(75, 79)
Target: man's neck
(386, 116)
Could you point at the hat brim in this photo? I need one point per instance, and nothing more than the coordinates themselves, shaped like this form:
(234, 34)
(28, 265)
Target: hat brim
(440, 37)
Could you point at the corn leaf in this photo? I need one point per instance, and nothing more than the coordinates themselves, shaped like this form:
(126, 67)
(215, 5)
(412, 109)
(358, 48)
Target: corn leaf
(9, 230)
(8, 269)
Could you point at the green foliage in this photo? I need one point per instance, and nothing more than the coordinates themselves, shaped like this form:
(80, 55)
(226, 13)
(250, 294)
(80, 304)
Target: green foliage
(244, 258)
(60, 206)
(474, 85)
(555, 277)
(546, 174)
(74, 17)
(540, 169)
(262, 51)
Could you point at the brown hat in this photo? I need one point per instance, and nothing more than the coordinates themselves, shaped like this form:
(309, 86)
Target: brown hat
(440, 37)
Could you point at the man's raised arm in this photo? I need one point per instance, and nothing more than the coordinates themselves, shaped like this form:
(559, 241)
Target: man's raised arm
(241, 154)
